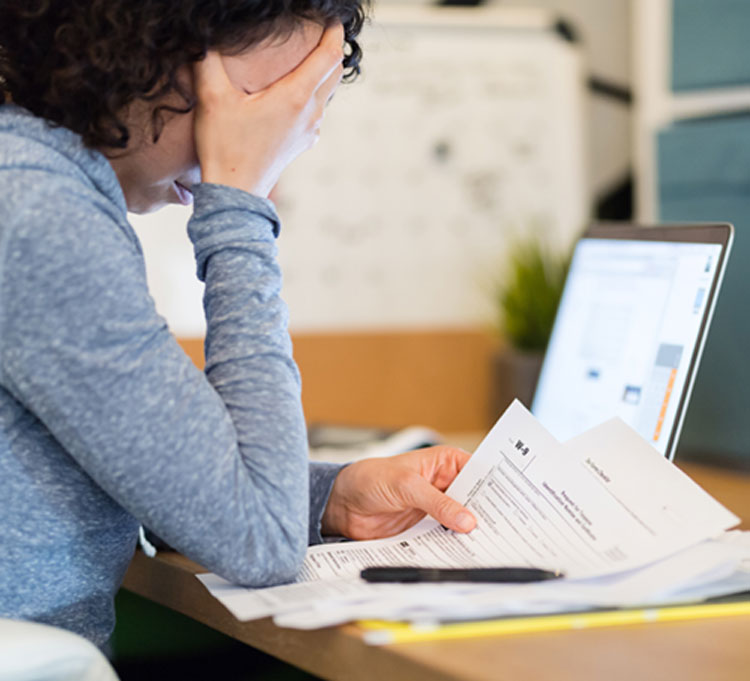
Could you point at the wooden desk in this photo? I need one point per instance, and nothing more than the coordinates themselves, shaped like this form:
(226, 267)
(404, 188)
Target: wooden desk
(703, 649)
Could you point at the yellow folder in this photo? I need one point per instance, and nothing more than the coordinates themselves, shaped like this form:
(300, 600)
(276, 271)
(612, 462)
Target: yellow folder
(378, 632)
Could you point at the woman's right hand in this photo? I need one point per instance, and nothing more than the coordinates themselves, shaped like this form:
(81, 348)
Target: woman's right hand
(246, 140)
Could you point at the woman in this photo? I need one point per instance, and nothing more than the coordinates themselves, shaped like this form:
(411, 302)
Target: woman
(104, 422)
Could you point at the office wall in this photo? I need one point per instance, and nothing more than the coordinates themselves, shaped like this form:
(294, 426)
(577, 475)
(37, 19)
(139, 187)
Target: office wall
(465, 130)
(605, 30)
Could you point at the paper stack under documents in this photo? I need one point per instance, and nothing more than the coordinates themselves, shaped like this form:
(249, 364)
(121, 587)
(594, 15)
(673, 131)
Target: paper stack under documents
(625, 525)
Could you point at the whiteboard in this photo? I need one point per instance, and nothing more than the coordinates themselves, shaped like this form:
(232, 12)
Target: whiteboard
(464, 130)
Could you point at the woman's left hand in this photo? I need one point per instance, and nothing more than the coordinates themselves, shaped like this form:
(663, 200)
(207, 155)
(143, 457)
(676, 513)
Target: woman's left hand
(381, 497)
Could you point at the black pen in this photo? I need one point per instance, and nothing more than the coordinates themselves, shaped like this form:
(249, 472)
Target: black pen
(513, 575)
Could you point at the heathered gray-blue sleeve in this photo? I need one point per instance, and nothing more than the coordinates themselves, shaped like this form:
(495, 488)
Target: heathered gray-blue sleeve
(214, 463)
(211, 204)
(322, 477)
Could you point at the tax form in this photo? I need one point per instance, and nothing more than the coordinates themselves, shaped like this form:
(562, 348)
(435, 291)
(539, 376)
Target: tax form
(605, 502)
(602, 503)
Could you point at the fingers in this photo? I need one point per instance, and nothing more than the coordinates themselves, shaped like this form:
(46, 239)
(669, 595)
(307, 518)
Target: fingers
(457, 457)
(245, 140)
(447, 511)
(314, 72)
(210, 75)
(326, 90)
(439, 464)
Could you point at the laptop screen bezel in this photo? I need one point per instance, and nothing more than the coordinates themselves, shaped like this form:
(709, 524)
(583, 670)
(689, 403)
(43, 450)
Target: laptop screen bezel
(719, 233)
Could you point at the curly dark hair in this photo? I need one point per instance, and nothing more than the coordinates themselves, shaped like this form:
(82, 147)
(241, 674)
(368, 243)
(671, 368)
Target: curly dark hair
(80, 63)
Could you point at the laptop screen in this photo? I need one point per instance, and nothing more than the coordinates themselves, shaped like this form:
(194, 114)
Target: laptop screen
(627, 336)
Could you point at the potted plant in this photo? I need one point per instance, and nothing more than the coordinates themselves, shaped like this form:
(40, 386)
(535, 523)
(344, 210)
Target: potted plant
(527, 300)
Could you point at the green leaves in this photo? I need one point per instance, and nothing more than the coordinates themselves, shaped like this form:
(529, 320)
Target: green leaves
(529, 297)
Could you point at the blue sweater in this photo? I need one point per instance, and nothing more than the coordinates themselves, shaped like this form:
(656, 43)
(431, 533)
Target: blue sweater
(105, 423)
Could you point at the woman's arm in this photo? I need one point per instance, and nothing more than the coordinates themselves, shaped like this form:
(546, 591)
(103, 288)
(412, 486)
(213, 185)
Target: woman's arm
(214, 463)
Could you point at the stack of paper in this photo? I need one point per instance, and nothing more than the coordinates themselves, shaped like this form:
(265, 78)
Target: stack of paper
(622, 523)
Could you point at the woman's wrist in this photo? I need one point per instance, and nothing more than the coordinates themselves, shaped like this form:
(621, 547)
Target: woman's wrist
(333, 522)
(231, 178)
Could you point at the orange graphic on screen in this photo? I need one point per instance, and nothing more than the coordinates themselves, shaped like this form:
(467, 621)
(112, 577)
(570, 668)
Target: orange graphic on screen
(664, 404)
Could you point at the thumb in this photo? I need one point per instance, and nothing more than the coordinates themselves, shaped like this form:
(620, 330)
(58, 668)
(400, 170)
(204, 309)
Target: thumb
(446, 511)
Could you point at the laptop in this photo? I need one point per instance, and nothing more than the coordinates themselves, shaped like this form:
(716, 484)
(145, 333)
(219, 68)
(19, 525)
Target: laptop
(630, 329)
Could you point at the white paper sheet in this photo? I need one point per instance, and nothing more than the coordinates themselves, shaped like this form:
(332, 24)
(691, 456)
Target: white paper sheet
(605, 502)
(712, 568)
(602, 504)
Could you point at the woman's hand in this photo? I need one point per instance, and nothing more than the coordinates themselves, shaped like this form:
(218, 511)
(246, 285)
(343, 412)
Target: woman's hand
(246, 140)
(382, 497)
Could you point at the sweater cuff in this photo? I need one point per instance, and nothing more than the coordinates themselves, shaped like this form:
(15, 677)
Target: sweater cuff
(322, 477)
(226, 217)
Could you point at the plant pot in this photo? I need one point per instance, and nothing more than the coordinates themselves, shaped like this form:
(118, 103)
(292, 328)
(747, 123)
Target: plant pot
(514, 375)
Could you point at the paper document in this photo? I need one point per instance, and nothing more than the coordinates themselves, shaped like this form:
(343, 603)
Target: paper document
(603, 503)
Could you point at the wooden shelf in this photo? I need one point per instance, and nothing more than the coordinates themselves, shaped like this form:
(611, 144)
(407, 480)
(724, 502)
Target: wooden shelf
(438, 378)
